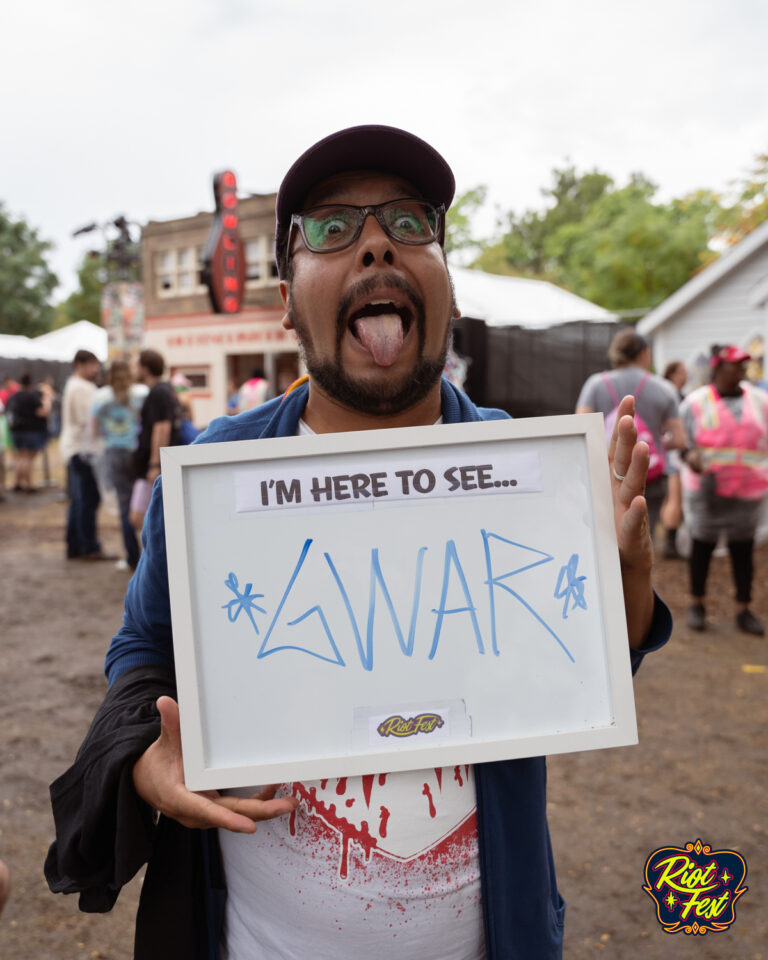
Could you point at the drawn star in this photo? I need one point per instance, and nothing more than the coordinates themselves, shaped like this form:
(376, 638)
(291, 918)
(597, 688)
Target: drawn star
(725, 876)
(244, 602)
(570, 587)
(671, 900)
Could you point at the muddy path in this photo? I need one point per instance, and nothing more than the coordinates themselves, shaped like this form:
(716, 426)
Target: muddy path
(698, 772)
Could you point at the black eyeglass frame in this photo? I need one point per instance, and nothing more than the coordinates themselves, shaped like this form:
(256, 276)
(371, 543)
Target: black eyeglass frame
(363, 212)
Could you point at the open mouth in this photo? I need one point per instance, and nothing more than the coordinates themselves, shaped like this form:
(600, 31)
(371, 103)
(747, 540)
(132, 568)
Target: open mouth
(381, 326)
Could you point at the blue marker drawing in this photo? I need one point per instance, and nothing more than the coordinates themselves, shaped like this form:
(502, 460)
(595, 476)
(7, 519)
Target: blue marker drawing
(493, 582)
(263, 652)
(452, 559)
(243, 602)
(573, 589)
(320, 643)
(377, 579)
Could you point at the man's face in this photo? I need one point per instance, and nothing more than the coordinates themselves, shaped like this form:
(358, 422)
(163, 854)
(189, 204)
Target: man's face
(373, 320)
(89, 370)
(731, 374)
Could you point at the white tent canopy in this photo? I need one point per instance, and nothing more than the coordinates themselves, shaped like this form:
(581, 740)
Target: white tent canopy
(505, 301)
(60, 344)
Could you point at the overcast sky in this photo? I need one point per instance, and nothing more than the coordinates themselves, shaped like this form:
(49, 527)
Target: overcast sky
(110, 108)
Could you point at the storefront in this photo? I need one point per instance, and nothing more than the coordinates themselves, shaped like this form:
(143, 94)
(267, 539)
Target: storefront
(216, 355)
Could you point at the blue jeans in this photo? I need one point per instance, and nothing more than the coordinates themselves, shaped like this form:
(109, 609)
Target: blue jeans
(84, 500)
(121, 474)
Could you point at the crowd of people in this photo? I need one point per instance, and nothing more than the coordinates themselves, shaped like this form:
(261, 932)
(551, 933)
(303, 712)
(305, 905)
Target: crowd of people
(708, 459)
(367, 291)
(111, 424)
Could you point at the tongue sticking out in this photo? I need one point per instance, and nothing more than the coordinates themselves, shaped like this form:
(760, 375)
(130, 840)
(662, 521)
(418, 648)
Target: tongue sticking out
(382, 336)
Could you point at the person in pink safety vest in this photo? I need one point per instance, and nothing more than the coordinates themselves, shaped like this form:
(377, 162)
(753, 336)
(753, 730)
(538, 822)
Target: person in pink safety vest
(253, 392)
(725, 477)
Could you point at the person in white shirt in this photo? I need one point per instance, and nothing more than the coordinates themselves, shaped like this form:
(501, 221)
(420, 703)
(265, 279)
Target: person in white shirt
(78, 446)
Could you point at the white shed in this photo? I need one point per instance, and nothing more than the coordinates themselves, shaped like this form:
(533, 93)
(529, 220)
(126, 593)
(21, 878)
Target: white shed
(725, 303)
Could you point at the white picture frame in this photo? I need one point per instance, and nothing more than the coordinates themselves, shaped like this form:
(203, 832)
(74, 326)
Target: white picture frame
(308, 613)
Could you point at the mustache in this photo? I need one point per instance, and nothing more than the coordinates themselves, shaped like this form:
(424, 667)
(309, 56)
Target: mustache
(370, 285)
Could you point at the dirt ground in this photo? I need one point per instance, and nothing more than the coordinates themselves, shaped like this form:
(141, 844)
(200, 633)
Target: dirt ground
(698, 772)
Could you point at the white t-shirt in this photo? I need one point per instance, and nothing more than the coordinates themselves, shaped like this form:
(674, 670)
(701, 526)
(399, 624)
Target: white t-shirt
(378, 867)
(77, 434)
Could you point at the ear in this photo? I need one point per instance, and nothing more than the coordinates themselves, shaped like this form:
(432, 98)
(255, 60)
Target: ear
(285, 296)
(456, 312)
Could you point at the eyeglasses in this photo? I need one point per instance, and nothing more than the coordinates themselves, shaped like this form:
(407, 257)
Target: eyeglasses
(336, 226)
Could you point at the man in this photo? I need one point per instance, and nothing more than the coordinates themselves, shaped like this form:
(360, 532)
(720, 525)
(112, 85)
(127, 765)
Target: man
(366, 288)
(160, 415)
(159, 425)
(655, 400)
(78, 448)
(253, 392)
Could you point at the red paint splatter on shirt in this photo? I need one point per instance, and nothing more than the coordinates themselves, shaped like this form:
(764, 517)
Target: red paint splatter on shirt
(367, 788)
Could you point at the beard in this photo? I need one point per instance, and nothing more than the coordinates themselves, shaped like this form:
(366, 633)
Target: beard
(387, 396)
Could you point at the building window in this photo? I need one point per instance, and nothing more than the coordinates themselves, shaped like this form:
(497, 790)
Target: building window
(260, 266)
(177, 272)
(193, 378)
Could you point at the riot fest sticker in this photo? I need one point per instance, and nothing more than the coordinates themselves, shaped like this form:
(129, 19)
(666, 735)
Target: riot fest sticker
(695, 889)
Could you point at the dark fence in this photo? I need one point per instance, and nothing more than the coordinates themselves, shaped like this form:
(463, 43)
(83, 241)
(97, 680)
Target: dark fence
(37, 369)
(532, 373)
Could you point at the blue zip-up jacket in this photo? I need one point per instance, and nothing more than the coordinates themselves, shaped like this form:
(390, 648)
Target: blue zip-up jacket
(523, 911)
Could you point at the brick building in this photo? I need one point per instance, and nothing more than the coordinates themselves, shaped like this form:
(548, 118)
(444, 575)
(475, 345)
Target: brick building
(216, 352)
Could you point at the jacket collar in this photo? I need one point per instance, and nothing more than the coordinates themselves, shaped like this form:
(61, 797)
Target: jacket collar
(456, 408)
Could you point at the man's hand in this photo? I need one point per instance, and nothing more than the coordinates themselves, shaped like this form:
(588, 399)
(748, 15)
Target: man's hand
(158, 777)
(628, 459)
(695, 460)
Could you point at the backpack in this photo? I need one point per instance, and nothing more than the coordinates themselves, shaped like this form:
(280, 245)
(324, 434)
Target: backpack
(656, 463)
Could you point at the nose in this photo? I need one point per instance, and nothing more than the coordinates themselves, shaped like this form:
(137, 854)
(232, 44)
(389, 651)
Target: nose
(374, 245)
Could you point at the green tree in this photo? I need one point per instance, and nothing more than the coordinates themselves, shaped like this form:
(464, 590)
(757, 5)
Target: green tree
(85, 302)
(521, 250)
(26, 281)
(458, 222)
(614, 246)
(751, 206)
(628, 252)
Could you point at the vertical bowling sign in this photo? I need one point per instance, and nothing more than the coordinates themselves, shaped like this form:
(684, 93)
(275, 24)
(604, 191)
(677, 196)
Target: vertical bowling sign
(224, 254)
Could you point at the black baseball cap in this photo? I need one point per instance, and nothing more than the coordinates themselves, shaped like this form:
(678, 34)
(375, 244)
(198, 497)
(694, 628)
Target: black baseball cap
(368, 147)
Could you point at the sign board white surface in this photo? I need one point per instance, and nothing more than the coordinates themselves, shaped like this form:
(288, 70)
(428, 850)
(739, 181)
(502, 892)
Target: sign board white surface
(395, 599)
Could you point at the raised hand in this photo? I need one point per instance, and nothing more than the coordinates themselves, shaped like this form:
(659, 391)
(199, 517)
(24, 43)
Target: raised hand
(628, 461)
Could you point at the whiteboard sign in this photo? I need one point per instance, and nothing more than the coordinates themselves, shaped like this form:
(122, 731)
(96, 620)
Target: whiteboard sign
(388, 600)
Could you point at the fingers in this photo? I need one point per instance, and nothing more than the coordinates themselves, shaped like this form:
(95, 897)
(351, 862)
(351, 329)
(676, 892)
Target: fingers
(634, 523)
(634, 473)
(238, 814)
(169, 717)
(629, 459)
(626, 409)
(158, 776)
(634, 539)
(256, 809)
(201, 811)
